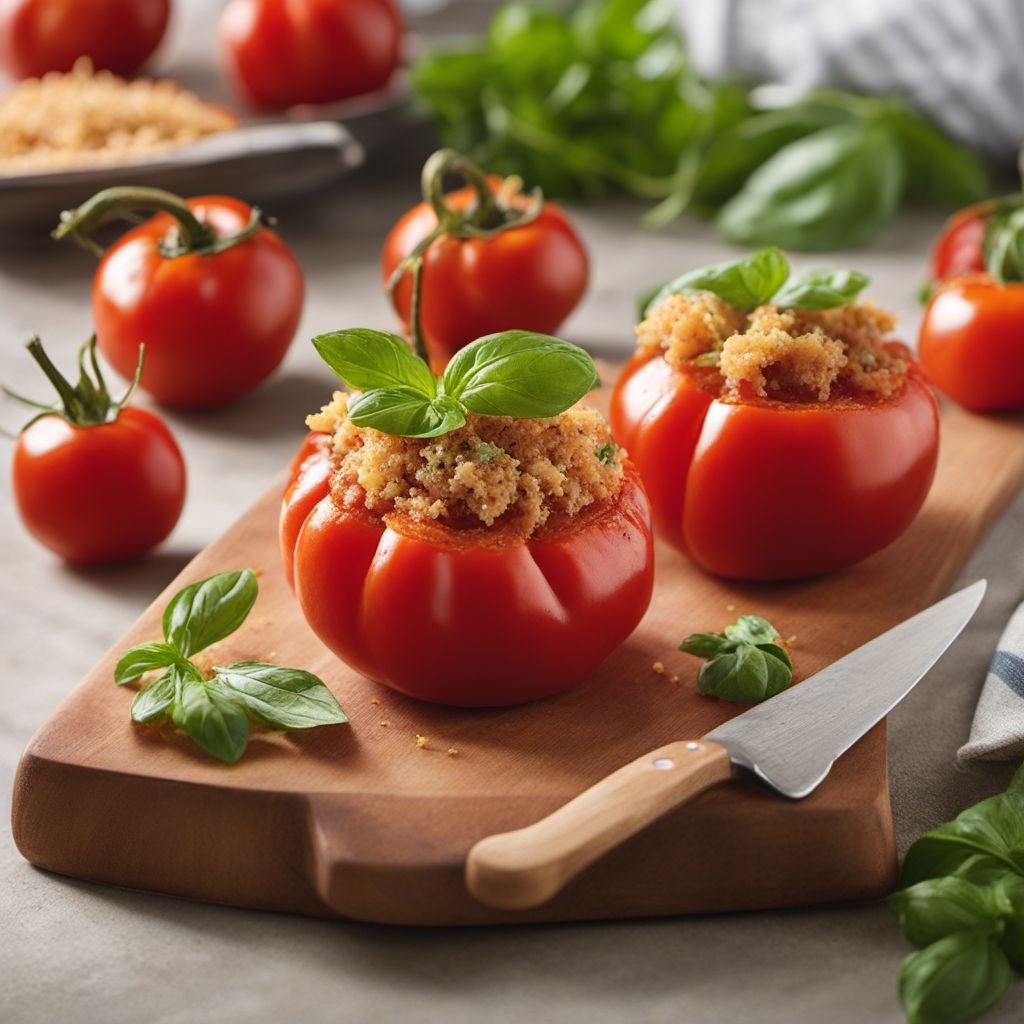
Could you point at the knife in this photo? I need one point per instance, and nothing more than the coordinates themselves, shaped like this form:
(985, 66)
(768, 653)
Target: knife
(788, 742)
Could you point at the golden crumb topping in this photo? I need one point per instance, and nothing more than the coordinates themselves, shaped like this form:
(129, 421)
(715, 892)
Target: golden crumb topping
(786, 354)
(494, 469)
(84, 118)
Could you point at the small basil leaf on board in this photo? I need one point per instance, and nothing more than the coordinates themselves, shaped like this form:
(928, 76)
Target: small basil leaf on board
(519, 373)
(822, 289)
(745, 283)
(835, 188)
(405, 412)
(751, 629)
(746, 675)
(365, 359)
(704, 645)
(954, 979)
(938, 907)
(143, 658)
(213, 717)
(283, 698)
(207, 611)
(156, 699)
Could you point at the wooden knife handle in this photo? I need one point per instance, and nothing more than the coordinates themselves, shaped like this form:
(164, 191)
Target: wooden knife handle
(516, 870)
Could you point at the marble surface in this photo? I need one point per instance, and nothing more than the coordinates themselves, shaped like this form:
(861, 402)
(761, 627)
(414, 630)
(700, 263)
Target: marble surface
(84, 953)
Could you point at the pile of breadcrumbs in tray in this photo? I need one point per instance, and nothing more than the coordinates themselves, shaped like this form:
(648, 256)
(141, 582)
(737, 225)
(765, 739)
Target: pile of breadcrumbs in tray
(494, 467)
(84, 118)
(790, 351)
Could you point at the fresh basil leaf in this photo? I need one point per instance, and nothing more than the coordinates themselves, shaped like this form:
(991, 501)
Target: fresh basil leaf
(142, 658)
(982, 869)
(705, 645)
(366, 359)
(405, 412)
(1004, 244)
(745, 283)
(207, 611)
(940, 172)
(744, 676)
(213, 717)
(954, 979)
(156, 699)
(752, 629)
(835, 188)
(283, 698)
(938, 907)
(822, 289)
(519, 373)
(994, 827)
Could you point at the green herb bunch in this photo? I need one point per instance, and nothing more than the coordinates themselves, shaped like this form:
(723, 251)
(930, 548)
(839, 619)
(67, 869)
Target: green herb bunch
(215, 710)
(515, 373)
(604, 98)
(962, 904)
(744, 664)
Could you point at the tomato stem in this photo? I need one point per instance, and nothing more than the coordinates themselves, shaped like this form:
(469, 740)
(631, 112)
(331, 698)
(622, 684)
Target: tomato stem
(487, 216)
(87, 403)
(122, 202)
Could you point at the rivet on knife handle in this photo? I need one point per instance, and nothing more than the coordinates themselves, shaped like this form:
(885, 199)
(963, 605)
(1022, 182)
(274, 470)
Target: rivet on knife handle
(521, 869)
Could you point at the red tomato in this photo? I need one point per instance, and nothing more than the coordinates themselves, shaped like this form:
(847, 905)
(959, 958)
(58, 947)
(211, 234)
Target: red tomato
(214, 324)
(99, 493)
(958, 249)
(284, 52)
(529, 277)
(468, 618)
(972, 343)
(768, 490)
(37, 36)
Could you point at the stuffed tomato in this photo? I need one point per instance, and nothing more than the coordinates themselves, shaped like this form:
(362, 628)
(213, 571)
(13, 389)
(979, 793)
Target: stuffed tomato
(497, 562)
(775, 442)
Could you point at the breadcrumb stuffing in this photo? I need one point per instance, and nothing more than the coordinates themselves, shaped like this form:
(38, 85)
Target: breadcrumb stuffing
(786, 354)
(495, 468)
(86, 118)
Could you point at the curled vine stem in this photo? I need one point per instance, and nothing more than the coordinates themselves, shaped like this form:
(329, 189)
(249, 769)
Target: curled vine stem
(486, 216)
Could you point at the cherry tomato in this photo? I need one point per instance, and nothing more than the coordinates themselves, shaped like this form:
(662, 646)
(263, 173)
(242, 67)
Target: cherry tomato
(216, 321)
(972, 343)
(958, 250)
(37, 36)
(766, 490)
(527, 276)
(97, 482)
(469, 618)
(284, 52)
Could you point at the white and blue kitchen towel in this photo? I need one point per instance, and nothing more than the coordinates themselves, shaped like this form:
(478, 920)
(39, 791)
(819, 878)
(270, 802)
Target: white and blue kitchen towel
(997, 733)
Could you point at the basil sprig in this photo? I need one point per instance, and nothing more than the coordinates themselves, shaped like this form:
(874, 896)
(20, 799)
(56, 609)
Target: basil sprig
(962, 904)
(760, 279)
(515, 373)
(745, 664)
(216, 711)
(1003, 246)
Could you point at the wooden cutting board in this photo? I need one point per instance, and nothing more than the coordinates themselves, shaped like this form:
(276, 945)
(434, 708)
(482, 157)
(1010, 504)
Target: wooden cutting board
(358, 821)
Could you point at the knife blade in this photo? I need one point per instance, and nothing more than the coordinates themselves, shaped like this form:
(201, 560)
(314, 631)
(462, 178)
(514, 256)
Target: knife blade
(788, 742)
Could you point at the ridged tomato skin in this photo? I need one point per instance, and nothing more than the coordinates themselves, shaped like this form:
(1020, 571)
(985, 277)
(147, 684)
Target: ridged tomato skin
(471, 618)
(100, 493)
(771, 490)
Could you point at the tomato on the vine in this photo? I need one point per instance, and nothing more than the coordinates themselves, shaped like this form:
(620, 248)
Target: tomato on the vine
(95, 481)
(285, 52)
(213, 294)
(481, 259)
(37, 36)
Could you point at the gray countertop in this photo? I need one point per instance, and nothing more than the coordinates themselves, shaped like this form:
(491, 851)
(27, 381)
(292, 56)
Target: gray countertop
(79, 952)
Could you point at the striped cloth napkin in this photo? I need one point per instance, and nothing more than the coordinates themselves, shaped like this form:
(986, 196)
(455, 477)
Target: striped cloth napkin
(997, 733)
